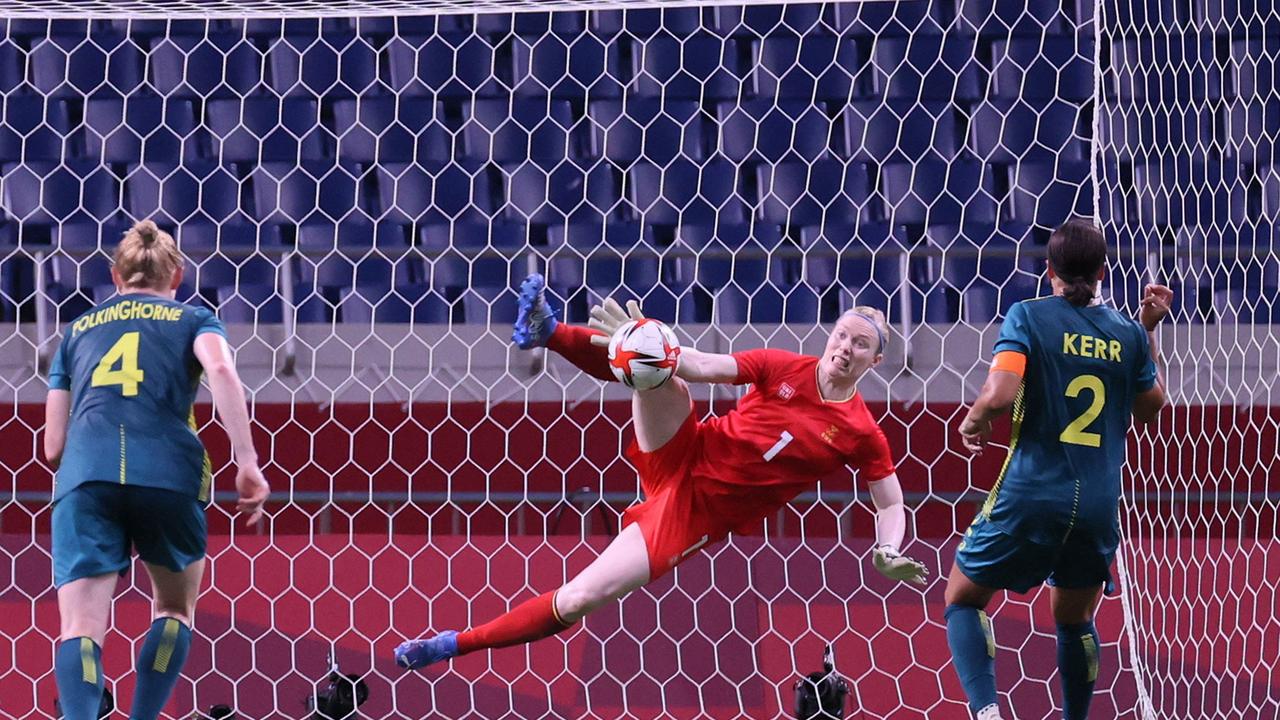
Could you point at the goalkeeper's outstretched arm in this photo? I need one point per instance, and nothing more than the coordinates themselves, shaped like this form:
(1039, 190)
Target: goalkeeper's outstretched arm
(891, 528)
(694, 366)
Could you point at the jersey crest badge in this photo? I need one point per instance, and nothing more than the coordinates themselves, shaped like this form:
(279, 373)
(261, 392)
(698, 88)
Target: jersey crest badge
(785, 391)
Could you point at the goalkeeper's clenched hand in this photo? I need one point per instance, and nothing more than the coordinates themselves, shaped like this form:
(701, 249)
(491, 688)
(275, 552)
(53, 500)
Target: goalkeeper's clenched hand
(895, 566)
(609, 316)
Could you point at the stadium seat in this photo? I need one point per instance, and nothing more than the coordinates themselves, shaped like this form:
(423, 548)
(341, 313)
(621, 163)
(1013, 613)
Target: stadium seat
(644, 22)
(656, 131)
(229, 254)
(204, 66)
(1048, 192)
(1010, 131)
(807, 67)
(471, 254)
(413, 303)
(887, 19)
(697, 67)
(33, 127)
(927, 67)
(326, 65)
(50, 192)
(1253, 127)
(899, 131)
(445, 65)
(1233, 270)
(1140, 69)
(1002, 18)
(139, 128)
(266, 129)
(822, 192)
(84, 64)
(140, 30)
(603, 256)
(357, 253)
(311, 191)
(170, 193)
(386, 129)
(80, 265)
(766, 304)
(720, 255)
(1044, 68)
(13, 65)
(250, 304)
(415, 194)
(516, 131)
(985, 268)
(771, 20)
(488, 305)
(585, 67)
(566, 193)
(825, 245)
(686, 192)
(1191, 191)
(537, 24)
(773, 131)
(1240, 18)
(380, 27)
(938, 193)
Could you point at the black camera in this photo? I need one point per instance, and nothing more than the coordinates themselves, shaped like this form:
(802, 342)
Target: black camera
(820, 695)
(338, 697)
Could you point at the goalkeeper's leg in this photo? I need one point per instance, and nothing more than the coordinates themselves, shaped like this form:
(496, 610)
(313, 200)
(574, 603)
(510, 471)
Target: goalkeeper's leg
(537, 326)
(621, 568)
(1078, 647)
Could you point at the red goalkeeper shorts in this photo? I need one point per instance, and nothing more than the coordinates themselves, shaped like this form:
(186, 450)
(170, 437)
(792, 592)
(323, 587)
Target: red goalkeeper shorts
(676, 517)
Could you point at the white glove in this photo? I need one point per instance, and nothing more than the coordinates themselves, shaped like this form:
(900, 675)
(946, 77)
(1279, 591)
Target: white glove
(609, 316)
(896, 566)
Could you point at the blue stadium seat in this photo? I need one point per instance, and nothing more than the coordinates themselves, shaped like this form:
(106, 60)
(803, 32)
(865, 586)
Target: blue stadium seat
(698, 67)
(516, 131)
(603, 256)
(50, 192)
(1191, 191)
(141, 30)
(823, 192)
(1144, 16)
(380, 27)
(139, 128)
(452, 66)
(1231, 271)
(899, 131)
(1133, 261)
(985, 268)
(1139, 69)
(658, 131)
(1044, 68)
(1007, 130)
(81, 265)
(773, 131)
(772, 20)
(1253, 65)
(311, 191)
(723, 255)
(466, 254)
(1048, 192)
(249, 303)
(825, 245)
(937, 193)
(566, 193)
(1269, 179)
(413, 193)
(488, 305)
(1002, 18)
(33, 127)
(13, 65)
(201, 67)
(325, 66)
(807, 67)
(81, 65)
(893, 18)
(588, 67)
(686, 192)
(796, 304)
(1239, 18)
(413, 303)
(1253, 127)
(385, 129)
(644, 22)
(266, 129)
(536, 24)
(927, 67)
(170, 193)
(352, 254)
(227, 254)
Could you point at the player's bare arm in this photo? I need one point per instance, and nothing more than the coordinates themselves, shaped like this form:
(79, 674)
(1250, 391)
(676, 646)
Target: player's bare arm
(995, 399)
(229, 399)
(1156, 301)
(57, 410)
(891, 528)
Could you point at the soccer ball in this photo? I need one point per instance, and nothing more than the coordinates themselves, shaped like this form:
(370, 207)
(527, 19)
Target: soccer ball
(644, 354)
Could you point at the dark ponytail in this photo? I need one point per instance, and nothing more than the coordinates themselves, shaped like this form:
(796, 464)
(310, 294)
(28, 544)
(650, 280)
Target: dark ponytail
(1077, 251)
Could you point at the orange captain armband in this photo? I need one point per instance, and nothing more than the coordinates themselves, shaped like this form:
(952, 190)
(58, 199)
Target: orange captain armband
(1010, 361)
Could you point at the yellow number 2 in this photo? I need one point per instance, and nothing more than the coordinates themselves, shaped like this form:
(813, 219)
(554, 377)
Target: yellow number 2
(125, 351)
(1075, 432)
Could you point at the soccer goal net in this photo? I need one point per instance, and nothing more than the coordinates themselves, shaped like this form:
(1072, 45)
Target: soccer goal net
(359, 186)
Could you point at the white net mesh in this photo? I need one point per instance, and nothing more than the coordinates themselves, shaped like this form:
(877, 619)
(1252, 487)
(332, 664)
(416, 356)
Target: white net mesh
(358, 195)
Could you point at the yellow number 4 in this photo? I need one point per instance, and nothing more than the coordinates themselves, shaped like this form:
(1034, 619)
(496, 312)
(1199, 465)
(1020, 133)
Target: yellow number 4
(125, 351)
(1075, 433)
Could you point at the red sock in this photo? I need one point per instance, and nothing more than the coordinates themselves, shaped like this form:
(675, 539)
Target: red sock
(530, 620)
(573, 343)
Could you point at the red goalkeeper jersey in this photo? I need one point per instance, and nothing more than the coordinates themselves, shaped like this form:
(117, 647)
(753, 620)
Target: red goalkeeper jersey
(782, 437)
